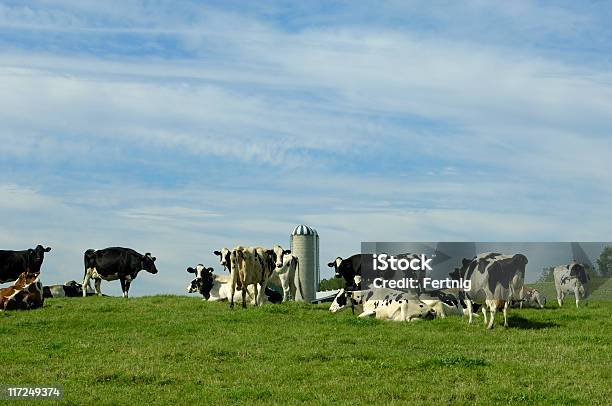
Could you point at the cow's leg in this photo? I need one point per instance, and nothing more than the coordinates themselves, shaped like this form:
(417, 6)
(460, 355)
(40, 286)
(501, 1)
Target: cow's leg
(97, 283)
(244, 295)
(125, 286)
(86, 278)
(470, 310)
(577, 295)
(493, 310)
(233, 292)
(484, 313)
(506, 313)
(560, 298)
(285, 284)
(260, 296)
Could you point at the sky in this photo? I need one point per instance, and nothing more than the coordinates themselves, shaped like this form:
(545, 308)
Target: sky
(180, 127)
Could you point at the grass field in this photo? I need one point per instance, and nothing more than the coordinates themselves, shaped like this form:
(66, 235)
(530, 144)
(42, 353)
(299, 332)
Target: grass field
(164, 349)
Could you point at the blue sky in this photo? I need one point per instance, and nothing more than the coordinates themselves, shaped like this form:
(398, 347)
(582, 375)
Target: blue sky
(181, 127)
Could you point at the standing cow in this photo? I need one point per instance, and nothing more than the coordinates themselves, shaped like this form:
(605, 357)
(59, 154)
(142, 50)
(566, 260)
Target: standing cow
(287, 267)
(496, 280)
(571, 278)
(349, 269)
(115, 263)
(250, 266)
(14, 263)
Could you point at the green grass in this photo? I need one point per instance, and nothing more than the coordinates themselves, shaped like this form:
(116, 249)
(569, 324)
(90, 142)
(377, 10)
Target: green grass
(166, 349)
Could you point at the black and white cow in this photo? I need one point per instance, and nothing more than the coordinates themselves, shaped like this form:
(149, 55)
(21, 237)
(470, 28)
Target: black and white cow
(571, 278)
(68, 289)
(495, 281)
(203, 281)
(14, 263)
(215, 288)
(287, 267)
(384, 304)
(224, 258)
(349, 269)
(531, 298)
(115, 263)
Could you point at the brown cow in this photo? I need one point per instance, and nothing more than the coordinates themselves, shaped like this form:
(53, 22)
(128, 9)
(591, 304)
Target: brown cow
(26, 293)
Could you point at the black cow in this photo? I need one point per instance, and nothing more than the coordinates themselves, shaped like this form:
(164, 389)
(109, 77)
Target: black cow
(349, 269)
(14, 263)
(115, 263)
(68, 289)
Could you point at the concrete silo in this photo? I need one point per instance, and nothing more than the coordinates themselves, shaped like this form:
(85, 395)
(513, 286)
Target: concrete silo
(305, 245)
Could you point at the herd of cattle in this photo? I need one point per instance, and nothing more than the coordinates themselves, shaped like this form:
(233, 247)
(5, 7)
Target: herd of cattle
(497, 282)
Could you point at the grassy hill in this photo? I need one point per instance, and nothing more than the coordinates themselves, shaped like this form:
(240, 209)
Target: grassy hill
(166, 349)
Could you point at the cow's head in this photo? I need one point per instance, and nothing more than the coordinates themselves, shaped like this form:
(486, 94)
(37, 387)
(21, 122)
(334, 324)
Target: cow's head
(197, 270)
(224, 257)
(148, 263)
(26, 278)
(540, 299)
(417, 310)
(37, 255)
(339, 302)
(280, 253)
(578, 271)
(345, 299)
(336, 265)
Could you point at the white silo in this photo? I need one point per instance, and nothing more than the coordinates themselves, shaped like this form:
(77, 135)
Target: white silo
(305, 245)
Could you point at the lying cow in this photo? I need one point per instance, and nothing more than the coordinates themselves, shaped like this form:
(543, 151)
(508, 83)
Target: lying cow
(25, 294)
(571, 278)
(218, 288)
(496, 280)
(14, 263)
(531, 298)
(287, 267)
(388, 305)
(115, 263)
(349, 269)
(68, 289)
(447, 302)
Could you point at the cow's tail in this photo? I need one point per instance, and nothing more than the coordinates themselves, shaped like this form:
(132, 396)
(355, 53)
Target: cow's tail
(297, 275)
(87, 259)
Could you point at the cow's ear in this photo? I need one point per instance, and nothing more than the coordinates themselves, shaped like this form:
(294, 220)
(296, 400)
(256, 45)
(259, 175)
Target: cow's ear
(331, 264)
(287, 252)
(210, 270)
(153, 259)
(31, 251)
(217, 253)
(191, 270)
(47, 249)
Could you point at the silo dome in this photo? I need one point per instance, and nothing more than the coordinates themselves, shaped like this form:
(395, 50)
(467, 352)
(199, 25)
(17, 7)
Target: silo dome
(303, 230)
